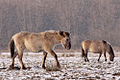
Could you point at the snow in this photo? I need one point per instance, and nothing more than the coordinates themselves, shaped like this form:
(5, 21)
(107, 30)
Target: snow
(72, 67)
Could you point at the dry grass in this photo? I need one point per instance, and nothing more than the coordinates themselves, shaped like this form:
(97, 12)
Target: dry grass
(117, 74)
(71, 68)
(67, 55)
(3, 56)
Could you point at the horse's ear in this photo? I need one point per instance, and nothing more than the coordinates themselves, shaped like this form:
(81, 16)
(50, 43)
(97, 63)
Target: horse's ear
(67, 33)
(61, 33)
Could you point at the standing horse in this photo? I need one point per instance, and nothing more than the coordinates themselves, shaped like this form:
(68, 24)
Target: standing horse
(100, 47)
(36, 42)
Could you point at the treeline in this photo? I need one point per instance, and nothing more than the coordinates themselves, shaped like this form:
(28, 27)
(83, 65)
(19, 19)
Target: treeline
(85, 19)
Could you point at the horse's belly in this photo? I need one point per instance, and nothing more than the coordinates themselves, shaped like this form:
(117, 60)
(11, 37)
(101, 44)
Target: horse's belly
(94, 50)
(33, 47)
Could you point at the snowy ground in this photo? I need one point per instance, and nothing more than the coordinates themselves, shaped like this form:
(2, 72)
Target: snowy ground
(73, 67)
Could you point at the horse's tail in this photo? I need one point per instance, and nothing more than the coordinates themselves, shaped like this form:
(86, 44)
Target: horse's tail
(11, 47)
(82, 51)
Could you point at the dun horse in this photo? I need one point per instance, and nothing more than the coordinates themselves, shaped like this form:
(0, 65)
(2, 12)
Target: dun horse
(100, 47)
(36, 42)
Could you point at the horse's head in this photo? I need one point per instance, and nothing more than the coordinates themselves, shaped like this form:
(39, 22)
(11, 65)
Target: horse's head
(111, 53)
(112, 58)
(65, 39)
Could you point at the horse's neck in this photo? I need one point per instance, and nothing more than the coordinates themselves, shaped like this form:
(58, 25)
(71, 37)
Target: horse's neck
(109, 49)
(57, 39)
(54, 38)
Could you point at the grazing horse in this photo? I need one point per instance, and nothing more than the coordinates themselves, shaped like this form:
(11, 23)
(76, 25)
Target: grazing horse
(36, 42)
(100, 47)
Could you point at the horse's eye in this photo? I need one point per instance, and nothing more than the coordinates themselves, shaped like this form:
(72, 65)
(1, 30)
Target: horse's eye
(67, 39)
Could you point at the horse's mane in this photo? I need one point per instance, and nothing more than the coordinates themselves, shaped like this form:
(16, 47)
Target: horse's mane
(111, 50)
(104, 41)
(51, 31)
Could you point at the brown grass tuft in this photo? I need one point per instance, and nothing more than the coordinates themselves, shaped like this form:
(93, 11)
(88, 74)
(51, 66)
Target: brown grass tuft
(52, 68)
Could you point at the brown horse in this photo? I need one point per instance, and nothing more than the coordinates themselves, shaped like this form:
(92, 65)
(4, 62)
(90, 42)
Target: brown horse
(36, 42)
(100, 47)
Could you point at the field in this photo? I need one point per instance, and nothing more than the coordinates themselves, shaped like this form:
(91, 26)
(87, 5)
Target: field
(72, 64)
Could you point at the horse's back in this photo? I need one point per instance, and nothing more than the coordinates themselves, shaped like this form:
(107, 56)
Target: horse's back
(93, 46)
(20, 35)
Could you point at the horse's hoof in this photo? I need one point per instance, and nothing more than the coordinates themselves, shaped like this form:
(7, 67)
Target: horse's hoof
(11, 67)
(86, 60)
(98, 60)
(43, 67)
(23, 68)
(59, 66)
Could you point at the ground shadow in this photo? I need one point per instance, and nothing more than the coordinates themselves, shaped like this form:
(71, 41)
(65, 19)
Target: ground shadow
(18, 68)
(2, 68)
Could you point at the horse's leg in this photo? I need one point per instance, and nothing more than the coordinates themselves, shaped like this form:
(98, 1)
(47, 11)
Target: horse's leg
(99, 56)
(20, 55)
(55, 56)
(86, 58)
(105, 56)
(83, 53)
(43, 59)
(12, 63)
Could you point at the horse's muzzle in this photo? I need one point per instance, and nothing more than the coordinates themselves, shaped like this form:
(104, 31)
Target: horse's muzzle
(68, 46)
(111, 59)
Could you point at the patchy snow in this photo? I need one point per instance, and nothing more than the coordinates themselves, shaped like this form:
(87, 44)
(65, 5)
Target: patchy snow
(73, 67)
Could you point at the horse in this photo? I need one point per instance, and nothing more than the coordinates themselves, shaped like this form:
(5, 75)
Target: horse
(37, 42)
(100, 47)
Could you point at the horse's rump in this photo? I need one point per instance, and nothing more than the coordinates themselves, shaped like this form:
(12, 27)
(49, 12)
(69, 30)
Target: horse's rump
(11, 47)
